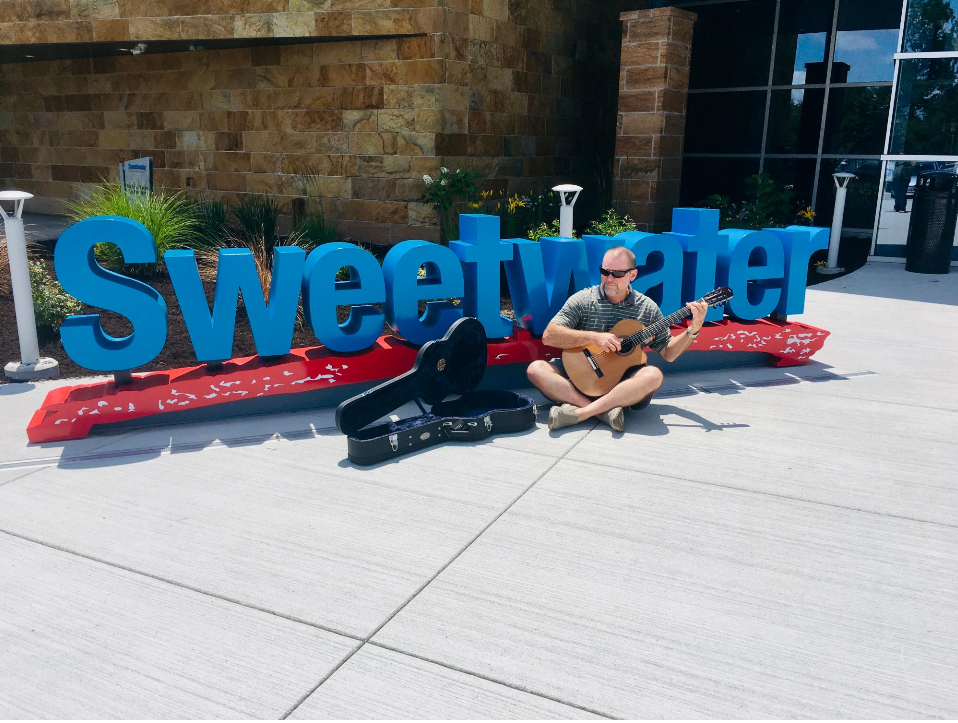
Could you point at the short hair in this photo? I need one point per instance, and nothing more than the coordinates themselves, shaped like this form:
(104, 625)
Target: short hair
(624, 253)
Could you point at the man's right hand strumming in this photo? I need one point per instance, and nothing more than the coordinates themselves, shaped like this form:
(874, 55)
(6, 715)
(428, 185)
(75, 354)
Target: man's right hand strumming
(607, 341)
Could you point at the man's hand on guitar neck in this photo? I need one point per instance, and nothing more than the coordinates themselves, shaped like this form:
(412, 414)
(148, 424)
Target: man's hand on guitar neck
(680, 342)
(698, 315)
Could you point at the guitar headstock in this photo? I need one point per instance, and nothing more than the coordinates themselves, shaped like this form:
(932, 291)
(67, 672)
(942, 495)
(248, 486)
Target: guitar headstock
(717, 297)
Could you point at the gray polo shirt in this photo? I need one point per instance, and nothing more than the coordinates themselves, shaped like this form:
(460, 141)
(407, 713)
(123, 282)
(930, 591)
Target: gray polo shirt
(591, 310)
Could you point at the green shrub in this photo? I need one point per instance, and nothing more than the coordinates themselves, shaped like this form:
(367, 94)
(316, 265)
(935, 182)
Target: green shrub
(611, 224)
(169, 216)
(444, 192)
(518, 216)
(213, 217)
(314, 229)
(767, 204)
(51, 304)
(257, 216)
(544, 229)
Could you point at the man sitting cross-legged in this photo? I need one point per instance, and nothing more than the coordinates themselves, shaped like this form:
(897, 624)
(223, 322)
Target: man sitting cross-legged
(586, 318)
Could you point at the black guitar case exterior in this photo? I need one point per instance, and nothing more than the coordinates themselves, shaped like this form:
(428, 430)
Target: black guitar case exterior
(454, 364)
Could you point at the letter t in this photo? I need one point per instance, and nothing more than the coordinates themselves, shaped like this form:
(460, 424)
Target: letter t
(481, 252)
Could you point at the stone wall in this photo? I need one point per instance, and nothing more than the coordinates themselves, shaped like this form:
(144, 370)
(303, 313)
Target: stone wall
(238, 121)
(541, 77)
(653, 95)
(522, 91)
(88, 21)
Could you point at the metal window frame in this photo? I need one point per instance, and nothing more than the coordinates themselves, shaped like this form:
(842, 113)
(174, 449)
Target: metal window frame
(946, 159)
(830, 61)
(768, 90)
(793, 86)
(888, 124)
(919, 55)
(826, 86)
(887, 157)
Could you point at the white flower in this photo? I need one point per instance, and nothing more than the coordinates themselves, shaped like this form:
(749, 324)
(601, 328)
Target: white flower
(427, 178)
(442, 182)
(444, 169)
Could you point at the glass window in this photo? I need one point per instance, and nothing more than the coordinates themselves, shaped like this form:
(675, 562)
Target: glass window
(862, 192)
(728, 122)
(803, 29)
(857, 120)
(738, 33)
(930, 26)
(796, 174)
(702, 177)
(926, 110)
(898, 195)
(867, 40)
(795, 120)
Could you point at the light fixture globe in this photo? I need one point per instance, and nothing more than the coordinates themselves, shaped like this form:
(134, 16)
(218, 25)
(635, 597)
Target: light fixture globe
(565, 208)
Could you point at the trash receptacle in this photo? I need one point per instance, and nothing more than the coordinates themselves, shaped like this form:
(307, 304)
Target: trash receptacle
(934, 214)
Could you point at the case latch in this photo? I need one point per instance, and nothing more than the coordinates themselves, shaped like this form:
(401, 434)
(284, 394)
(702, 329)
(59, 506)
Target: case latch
(488, 420)
(394, 442)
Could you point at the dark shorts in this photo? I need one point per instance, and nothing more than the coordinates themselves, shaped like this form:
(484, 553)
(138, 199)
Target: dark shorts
(559, 367)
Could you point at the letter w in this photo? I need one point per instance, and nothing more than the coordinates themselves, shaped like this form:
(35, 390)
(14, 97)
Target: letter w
(272, 323)
(541, 275)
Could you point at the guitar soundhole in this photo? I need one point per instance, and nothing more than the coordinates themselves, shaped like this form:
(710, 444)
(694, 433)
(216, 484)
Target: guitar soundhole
(627, 346)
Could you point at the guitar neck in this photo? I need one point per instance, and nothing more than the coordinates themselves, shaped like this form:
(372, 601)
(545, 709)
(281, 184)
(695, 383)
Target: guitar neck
(653, 330)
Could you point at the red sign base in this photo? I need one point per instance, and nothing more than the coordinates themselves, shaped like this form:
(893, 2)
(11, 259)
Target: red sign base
(71, 412)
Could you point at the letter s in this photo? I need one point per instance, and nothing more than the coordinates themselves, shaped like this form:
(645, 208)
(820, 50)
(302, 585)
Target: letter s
(82, 277)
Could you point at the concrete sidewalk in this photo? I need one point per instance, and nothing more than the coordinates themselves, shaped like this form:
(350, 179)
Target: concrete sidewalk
(760, 543)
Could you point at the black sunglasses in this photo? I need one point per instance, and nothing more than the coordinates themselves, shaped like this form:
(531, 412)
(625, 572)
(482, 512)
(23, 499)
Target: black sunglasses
(613, 272)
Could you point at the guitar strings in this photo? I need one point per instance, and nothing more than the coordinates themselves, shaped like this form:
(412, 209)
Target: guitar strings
(661, 325)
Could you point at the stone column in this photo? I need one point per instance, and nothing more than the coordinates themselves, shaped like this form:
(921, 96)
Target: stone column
(653, 90)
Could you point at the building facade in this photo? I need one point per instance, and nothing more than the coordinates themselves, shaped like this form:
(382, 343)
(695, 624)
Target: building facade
(800, 89)
(646, 104)
(233, 97)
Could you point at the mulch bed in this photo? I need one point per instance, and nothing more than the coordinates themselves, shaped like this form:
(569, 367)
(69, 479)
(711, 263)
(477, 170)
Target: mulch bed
(178, 351)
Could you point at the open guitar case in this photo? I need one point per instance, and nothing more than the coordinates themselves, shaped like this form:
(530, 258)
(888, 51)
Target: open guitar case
(452, 365)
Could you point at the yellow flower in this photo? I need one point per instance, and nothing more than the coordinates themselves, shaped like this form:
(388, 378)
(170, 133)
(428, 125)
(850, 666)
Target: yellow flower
(486, 194)
(515, 203)
(808, 214)
(475, 205)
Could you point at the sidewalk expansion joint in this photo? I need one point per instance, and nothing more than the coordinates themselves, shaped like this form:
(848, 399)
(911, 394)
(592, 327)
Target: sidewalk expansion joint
(174, 583)
(438, 573)
(497, 681)
(790, 498)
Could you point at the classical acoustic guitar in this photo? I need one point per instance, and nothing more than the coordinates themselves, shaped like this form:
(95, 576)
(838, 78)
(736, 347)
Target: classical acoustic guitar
(595, 371)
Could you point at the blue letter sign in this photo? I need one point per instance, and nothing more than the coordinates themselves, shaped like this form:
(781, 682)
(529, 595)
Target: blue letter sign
(82, 277)
(765, 269)
(404, 289)
(322, 294)
(481, 252)
(272, 324)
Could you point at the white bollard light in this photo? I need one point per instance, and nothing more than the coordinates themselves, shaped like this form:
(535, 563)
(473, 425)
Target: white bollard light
(565, 210)
(841, 191)
(30, 366)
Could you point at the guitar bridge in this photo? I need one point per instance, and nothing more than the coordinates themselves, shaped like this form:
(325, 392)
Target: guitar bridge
(593, 364)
